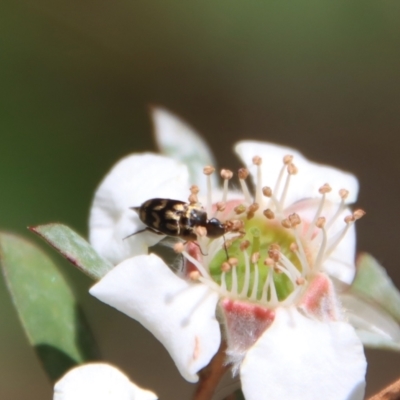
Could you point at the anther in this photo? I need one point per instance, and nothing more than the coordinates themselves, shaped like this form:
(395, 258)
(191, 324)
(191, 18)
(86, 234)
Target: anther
(226, 174)
(243, 173)
(269, 262)
(257, 160)
(234, 225)
(357, 214)
(343, 193)
(294, 247)
(267, 191)
(320, 223)
(325, 189)
(221, 205)
(233, 261)
(294, 219)
(253, 207)
(244, 245)
(300, 280)
(292, 169)
(269, 213)
(349, 218)
(287, 159)
(193, 199)
(227, 244)
(194, 189)
(200, 231)
(208, 170)
(274, 254)
(255, 257)
(179, 247)
(225, 267)
(240, 209)
(285, 223)
(194, 275)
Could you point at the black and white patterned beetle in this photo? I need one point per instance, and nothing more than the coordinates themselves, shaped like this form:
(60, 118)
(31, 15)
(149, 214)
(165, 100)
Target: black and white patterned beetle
(177, 218)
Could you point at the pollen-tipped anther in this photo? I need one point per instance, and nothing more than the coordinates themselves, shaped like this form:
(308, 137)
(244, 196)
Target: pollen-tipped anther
(325, 189)
(269, 213)
(193, 199)
(244, 245)
(179, 247)
(358, 214)
(286, 223)
(226, 174)
(294, 247)
(287, 159)
(208, 170)
(194, 189)
(257, 160)
(225, 267)
(233, 261)
(343, 193)
(267, 191)
(240, 209)
(243, 173)
(200, 231)
(255, 257)
(292, 169)
(294, 219)
(194, 275)
(320, 223)
(221, 205)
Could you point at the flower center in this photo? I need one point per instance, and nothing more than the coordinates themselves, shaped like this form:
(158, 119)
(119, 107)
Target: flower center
(270, 252)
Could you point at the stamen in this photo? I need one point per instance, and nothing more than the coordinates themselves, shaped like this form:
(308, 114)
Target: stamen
(322, 247)
(258, 161)
(343, 193)
(246, 283)
(208, 171)
(292, 170)
(286, 160)
(323, 190)
(339, 236)
(243, 174)
(253, 295)
(226, 175)
(197, 264)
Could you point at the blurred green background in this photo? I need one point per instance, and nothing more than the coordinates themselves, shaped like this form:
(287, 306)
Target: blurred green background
(76, 78)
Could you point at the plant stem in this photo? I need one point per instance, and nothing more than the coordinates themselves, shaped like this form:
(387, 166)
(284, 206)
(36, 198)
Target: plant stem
(211, 375)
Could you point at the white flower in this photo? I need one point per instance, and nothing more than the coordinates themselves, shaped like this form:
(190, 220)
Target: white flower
(287, 334)
(98, 381)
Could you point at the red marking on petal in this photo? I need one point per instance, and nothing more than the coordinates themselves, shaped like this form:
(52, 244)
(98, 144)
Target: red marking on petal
(245, 323)
(320, 300)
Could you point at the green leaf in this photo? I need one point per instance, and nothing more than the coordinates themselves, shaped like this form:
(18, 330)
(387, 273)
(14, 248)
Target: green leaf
(74, 248)
(46, 306)
(178, 140)
(373, 283)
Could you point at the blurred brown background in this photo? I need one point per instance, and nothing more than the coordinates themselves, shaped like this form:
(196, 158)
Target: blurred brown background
(76, 78)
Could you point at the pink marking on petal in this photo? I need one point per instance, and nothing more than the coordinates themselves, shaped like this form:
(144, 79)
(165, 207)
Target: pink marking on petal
(196, 351)
(320, 300)
(245, 323)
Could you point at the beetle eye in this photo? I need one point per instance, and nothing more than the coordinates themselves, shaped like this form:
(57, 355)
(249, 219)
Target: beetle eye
(215, 228)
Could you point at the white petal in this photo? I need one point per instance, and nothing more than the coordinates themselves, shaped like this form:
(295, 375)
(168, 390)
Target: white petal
(303, 359)
(341, 261)
(178, 140)
(310, 177)
(133, 180)
(98, 382)
(180, 314)
(373, 325)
